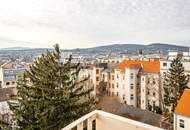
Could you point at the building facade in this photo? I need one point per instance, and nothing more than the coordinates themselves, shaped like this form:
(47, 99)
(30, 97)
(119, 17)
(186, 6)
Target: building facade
(138, 82)
(182, 112)
(9, 72)
(134, 82)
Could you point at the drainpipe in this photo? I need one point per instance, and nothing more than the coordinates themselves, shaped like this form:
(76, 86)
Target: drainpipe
(175, 121)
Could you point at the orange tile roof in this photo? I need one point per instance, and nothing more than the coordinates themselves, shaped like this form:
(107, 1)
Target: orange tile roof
(183, 107)
(150, 66)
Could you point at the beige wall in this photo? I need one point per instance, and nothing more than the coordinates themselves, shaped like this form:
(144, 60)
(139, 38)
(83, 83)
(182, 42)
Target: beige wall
(186, 122)
(105, 123)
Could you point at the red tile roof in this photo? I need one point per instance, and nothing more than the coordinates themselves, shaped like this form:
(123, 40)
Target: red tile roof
(150, 66)
(183, 107)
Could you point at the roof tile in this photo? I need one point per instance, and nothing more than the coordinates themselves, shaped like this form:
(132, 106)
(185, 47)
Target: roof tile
(183, 107)
(150, 66)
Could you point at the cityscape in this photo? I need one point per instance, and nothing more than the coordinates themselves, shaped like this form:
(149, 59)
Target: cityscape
(95, 65)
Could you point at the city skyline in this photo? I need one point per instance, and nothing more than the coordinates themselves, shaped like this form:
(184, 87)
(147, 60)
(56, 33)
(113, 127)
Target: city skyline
(82, 24)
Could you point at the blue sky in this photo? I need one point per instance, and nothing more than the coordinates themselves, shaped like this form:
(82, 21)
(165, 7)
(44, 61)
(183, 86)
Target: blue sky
(87, 23)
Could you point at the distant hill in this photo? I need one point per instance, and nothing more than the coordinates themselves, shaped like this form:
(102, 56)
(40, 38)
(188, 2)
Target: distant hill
(168, 47)
(23, 48)
(16, 48)
(153, 48)
(134, 48)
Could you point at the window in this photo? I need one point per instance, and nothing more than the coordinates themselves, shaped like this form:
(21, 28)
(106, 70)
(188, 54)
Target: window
(85, 125)
(75, 128)
(131, 75)
(181, 123)
(117, 94)
(132, 86)
(97, 71)
(117, 85)
(112, 77)
(112, 85)
(94, 125)
(123, 77)
(154, 104)
(148, 92)
(109, 77)
(148, 102)
(97, 78)
(123, 96)
(148, 80)
(154, 94)
(154, 82)
(103, 76)
(117, 76)
(132, 97)
(109, 93)
(7, 83)
(164, 64)
(188, 77)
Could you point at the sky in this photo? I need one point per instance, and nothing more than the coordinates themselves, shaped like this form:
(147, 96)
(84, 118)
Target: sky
(88, 23)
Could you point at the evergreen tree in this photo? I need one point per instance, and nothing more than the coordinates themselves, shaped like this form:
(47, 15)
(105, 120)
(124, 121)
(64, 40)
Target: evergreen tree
(50, 95)
(175, 82)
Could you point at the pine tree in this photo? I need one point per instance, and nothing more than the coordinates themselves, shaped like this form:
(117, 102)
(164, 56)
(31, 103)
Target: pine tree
(175, 82)
(50, 95)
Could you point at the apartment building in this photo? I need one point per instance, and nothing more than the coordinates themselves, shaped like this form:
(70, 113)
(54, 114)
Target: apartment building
(6, 94)
(126, 82)
(9, 72)
(137, 82)
(150, 91)
(182, 112)
(165, 63)
(97, 75)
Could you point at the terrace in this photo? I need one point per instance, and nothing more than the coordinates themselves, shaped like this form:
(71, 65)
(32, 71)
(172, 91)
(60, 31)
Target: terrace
(100, 120)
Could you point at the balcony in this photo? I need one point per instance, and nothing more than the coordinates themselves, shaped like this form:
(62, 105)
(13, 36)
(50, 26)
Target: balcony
(100, 120)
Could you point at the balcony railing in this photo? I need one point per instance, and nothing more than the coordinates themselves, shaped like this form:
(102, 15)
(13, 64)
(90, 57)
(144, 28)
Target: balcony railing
(99, 120)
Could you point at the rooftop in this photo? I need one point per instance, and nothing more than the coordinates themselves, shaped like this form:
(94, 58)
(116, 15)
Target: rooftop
(149, 66)
(183, 107)
(12, 65)
(7, 93)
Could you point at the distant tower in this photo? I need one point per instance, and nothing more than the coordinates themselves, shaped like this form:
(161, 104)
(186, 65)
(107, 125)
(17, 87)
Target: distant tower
(140, 52)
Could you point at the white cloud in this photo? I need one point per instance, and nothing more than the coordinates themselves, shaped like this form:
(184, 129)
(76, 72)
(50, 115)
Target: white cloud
(84, 23)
